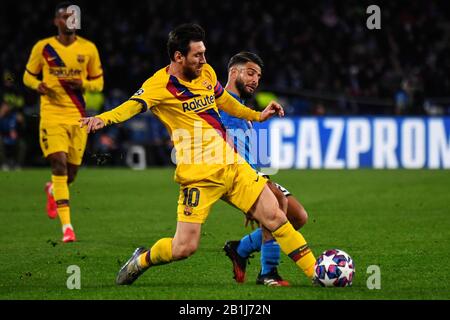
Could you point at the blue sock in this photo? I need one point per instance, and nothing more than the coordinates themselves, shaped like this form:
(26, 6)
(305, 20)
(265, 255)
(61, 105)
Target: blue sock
(250, 243)
(270, 256)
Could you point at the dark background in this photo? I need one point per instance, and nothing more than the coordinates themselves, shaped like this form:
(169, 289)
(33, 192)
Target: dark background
(320, 59)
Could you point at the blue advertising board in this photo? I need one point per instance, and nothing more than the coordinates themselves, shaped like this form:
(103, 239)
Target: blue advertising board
(354, 142)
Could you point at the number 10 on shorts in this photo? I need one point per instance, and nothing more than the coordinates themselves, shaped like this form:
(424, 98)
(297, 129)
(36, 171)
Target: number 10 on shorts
(191, 197)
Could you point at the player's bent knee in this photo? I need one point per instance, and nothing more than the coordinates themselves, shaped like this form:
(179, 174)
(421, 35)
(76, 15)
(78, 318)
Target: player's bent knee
(299, 218)
(59, 169)
(58, 164)
(273, 219)
(267, 211)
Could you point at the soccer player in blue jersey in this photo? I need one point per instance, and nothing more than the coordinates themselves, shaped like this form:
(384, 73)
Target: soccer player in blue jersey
(244, 73)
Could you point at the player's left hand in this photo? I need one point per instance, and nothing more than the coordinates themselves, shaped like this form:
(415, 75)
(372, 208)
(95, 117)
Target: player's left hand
(272, 109)
(75, 84)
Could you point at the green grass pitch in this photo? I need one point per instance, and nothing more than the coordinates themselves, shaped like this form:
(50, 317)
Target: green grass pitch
(398, 220)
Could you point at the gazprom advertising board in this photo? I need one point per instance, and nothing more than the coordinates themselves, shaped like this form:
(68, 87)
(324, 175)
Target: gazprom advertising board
(354, 142)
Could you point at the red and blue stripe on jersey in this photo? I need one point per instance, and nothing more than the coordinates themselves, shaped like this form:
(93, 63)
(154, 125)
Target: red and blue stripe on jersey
(218, 90)
(213, 119)
(178, 90)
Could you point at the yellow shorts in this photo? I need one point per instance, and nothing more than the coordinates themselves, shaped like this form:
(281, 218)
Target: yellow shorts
(67, 138)
(238, 184)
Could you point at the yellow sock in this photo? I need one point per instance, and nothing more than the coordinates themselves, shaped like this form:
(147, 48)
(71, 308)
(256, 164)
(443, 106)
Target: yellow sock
(64, 215)
(161, 252)
(144, 260)
(294, 245)
(61, 194)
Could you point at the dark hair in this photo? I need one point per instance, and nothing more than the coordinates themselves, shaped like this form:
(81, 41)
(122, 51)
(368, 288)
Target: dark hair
(62, 5)
(244, 57)
(181, 36)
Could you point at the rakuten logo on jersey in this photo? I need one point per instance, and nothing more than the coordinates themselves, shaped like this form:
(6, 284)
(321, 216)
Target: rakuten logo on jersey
(64, 72)
(198, 103)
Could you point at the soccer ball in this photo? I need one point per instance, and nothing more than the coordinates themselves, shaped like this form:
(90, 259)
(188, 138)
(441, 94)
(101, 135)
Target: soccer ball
(334, 268)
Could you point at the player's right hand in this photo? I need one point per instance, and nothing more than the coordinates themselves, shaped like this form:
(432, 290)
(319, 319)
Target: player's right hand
(272, 109)
(92, 124)
(43, 89)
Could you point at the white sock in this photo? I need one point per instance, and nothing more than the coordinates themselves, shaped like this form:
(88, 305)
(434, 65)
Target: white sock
(64, 227)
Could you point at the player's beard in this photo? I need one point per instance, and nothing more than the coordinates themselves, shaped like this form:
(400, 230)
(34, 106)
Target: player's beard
(190, 73)
(243, 93)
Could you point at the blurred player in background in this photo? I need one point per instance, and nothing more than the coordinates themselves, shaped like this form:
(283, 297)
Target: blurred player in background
(70, 65)
(184, 96)
(244, 73)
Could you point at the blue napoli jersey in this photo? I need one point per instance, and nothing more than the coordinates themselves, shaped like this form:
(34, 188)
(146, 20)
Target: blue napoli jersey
(243, 144)
(8, 124)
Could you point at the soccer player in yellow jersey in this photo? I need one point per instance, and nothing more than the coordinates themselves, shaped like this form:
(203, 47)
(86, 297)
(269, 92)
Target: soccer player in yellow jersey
(70, 65)
(186, 96)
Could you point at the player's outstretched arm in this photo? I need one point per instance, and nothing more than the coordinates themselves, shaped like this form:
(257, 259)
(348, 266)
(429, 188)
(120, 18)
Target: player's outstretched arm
(233, 107)
(122, 113)
(273, 108)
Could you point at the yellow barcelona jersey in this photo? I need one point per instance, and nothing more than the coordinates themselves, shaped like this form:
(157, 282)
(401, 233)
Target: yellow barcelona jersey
(189, 110)
(59, 63)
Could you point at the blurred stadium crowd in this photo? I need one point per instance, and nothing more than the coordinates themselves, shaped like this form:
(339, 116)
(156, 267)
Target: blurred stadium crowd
(320, 60)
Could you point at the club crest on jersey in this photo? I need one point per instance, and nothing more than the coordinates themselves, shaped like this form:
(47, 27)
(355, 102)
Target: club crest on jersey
(187, 210)
(207, 85)
(80, 58)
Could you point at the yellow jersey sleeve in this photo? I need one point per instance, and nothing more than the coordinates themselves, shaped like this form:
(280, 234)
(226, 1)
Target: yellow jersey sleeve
(210, 74)
(125, 111)
(94, 66)
(30, 80)
(150, 94)
(226, 102)
(94, 81)
(230, 105)
(33, 67)
(35, 61)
